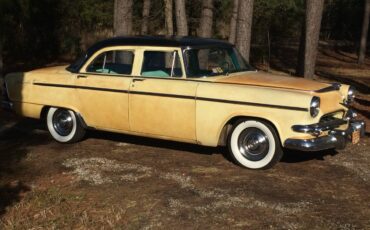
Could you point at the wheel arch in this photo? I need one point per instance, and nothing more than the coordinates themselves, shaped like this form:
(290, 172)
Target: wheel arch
(229, 124)
(45, 109)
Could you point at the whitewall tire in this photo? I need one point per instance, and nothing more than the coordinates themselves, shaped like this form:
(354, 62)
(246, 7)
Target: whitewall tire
(64, 126)
(254, 144)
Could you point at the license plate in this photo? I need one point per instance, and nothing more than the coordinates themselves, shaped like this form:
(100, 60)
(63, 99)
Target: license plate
(356, 137)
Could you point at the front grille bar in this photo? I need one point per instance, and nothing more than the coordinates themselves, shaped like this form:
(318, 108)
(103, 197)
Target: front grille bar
(318, 128)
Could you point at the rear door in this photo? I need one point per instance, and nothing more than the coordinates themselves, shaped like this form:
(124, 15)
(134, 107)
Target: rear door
(162, 101)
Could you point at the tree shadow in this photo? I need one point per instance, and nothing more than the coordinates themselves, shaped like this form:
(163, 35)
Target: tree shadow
(15, 141)
(339, 57)
(364, 112)
(360, 86)
(11, 193)
(362, 101)
(340, 52)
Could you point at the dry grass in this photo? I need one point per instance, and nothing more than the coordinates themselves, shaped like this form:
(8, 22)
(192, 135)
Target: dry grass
(106, 183)
(101, 171)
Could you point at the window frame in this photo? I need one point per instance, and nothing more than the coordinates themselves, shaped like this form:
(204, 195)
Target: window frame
(109, 49)
(165, 50)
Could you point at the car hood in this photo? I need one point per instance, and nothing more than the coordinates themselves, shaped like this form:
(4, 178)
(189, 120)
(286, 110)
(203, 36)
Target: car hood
(274, 81)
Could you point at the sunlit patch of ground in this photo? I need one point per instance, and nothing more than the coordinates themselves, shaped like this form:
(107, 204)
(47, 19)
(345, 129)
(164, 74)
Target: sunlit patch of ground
(101, 170)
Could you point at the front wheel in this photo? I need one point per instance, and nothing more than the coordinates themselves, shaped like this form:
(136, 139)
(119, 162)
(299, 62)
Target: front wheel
(254, 144)
(63, 125)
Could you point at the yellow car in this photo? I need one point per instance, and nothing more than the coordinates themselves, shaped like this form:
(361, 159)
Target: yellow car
(191, 90)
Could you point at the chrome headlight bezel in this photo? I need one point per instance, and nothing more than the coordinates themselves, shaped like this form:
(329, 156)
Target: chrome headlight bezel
(315, 107)
(351, 94)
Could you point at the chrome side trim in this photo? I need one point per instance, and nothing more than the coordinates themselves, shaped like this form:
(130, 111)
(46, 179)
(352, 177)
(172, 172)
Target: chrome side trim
(174, 96)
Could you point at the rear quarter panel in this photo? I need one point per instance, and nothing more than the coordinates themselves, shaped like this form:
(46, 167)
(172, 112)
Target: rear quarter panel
(29, 98)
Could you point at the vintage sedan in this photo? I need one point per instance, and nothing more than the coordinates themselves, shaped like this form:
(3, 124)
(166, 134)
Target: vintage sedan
(185, 89)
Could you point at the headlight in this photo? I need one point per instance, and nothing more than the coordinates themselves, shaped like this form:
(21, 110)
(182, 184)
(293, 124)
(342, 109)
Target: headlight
(350, 95)
(315, 106)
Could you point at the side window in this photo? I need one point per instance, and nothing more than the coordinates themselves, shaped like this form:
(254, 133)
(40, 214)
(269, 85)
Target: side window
(161, 64)
(113, 62)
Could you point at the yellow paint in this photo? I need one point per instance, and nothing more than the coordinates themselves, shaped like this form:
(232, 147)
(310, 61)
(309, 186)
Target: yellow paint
(180, 119)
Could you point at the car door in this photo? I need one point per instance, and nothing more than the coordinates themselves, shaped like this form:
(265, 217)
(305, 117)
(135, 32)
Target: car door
(103, 89)
(162, 101)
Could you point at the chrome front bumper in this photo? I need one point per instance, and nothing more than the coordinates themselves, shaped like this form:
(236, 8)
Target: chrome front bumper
(335, 138)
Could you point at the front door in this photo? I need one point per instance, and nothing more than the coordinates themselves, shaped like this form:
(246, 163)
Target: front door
(162, 102)
(103, 89)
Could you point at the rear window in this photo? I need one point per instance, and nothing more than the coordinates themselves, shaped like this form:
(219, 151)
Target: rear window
(161, 64)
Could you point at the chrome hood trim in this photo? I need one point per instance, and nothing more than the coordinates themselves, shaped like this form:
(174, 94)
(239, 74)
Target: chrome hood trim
(333, 87)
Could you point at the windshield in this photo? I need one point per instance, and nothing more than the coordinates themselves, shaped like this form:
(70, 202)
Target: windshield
(208, 62)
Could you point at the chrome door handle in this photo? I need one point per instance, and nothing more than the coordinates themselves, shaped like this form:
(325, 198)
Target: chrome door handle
(81, 76)
(138, 79)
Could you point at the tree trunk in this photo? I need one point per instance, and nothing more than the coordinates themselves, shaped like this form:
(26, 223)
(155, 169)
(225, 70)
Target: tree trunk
(244, 27)
(314, 10)
(365, 30)
(1, 60)
(206, 20)
(169, 16)
(301, 49)
(122, 17)
(146, 12)
(233, 19)
(181, 18)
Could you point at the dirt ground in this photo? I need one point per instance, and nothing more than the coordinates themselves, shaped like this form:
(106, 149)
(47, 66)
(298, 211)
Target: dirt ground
(112, 181)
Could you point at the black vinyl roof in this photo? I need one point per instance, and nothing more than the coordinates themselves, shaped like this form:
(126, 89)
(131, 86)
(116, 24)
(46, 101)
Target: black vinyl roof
(161, 41)
(165, 41)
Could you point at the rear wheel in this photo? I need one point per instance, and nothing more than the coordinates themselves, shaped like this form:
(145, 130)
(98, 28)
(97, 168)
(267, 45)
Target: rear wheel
(254, 144)
(64, 126)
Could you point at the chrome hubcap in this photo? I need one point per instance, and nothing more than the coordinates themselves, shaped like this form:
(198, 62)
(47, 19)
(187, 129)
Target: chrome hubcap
(62, 122)
(253, 144)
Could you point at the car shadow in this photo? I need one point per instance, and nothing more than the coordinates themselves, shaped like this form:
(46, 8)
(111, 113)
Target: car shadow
(290, 156)
(294, 156)
(152, 142)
